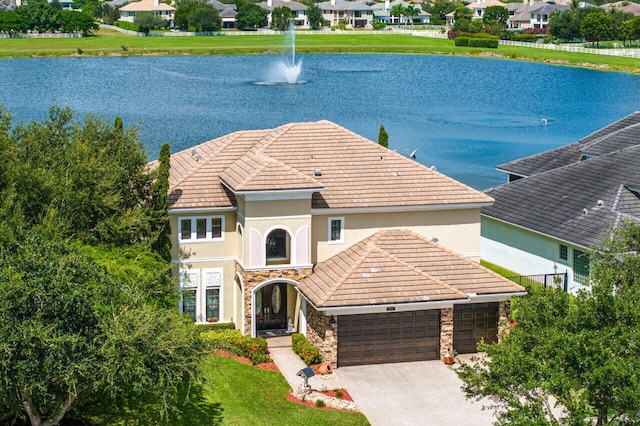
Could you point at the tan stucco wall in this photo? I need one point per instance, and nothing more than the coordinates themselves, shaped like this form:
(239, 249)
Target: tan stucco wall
(205, 249)
(457, 230)
(277, 208)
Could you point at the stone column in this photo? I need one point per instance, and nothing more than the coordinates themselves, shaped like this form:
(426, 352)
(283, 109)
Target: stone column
(322, 336)
(446, 331)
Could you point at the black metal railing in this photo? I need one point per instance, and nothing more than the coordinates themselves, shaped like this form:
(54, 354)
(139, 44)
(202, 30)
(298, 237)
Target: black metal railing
(548, 280)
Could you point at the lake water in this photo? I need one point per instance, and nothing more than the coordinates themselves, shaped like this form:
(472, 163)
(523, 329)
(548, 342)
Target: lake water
(463, 115)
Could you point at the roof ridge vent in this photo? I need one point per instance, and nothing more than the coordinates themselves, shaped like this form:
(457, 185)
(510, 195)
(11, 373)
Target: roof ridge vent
(585, 212)
(600, 203)
(317, 172)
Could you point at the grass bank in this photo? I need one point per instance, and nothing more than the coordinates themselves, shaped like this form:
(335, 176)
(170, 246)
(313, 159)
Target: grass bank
(112, 43)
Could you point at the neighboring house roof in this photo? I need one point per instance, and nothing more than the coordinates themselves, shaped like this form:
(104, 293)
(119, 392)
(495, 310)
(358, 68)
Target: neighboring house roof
(399, 266)
(7, 5)
(546, 8)
(293, 5)
(146, 6)
(624, 6)
(117, 3)
(354, 171)
(344, 5)
(607, 139)
(580, 201)
(224, 10)
(484, 4)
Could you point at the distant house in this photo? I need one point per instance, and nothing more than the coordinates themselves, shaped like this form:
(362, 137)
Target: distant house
(382, 13)
(623, 6)
(310, 227)
(299, 11)
(163, 10)
(559, 204)
(479, 6)
(531, 14)
(354, 13)
(227, 13)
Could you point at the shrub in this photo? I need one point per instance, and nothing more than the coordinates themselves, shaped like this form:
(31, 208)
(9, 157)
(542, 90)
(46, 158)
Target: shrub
(483, 42)
(254, 348)
(319, 403)
(535, 31)
(453, 34)
(462, 41)
(479, 35)
(339, 393)
(531, 38)
(305, 350)
(217, 326)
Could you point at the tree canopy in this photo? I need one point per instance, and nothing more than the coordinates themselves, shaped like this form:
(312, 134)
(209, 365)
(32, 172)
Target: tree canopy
(314, 14)
(280, 17)
(250, 16)
(596, 27)
(571, 360)
(383, 137)
(87, 301)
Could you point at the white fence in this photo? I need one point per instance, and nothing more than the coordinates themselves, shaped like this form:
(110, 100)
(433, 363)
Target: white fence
(627, 53)
(43, 35)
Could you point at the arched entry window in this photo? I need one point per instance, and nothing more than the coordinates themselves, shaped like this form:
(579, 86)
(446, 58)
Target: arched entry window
(278, 247)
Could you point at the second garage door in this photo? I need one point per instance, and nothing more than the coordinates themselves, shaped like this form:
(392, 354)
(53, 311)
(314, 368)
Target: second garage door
(388, 337)
(473, 322)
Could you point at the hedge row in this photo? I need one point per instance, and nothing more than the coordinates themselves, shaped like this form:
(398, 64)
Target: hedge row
(476, 42)
(254, 348)
(305, 350)
(532, 38)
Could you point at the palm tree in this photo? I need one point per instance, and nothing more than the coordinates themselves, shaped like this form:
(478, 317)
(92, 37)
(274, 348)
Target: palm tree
(411, 11)
(397, 10)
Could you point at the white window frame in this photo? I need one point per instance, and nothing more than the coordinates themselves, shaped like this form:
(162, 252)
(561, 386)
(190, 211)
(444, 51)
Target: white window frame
(329, 222)
(196, 279)
(194, 229)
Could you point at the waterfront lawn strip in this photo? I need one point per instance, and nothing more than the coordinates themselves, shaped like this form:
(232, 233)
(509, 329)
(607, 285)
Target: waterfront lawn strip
(108, 43)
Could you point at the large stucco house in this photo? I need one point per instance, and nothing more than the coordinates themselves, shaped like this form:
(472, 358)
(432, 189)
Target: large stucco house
(310, 227)
(298, 11)
(353, 13)
(561, 203)
(165, 11)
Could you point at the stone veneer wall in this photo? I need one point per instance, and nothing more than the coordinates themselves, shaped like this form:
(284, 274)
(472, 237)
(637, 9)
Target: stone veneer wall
(446, 331)
(320, 334)
(252, 279)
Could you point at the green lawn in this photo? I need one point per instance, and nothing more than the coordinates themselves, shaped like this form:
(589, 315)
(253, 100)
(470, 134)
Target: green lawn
(240, 394)
(109, 43)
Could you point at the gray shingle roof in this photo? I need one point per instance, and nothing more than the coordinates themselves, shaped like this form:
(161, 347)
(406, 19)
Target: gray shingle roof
(623, 133)
(579, 202)
(344, 5)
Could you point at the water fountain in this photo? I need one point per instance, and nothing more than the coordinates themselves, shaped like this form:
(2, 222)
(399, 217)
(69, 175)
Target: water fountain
(286, 71)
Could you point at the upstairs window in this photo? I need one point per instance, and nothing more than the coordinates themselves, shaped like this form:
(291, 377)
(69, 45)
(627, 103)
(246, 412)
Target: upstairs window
(278, 247)
(336, 229)
(205, 228)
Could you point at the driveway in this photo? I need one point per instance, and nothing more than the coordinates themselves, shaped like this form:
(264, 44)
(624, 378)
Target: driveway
(412, 393)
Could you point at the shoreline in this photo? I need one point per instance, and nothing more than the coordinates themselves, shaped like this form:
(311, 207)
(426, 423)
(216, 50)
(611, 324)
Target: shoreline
(110, 43)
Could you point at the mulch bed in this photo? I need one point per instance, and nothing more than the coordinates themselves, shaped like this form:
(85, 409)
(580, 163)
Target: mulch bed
(312, 404)
(269, 366)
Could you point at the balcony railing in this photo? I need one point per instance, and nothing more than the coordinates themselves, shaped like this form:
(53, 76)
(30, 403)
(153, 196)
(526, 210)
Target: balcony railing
(548, 280)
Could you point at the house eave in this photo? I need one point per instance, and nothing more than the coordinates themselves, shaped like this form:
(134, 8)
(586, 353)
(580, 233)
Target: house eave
(394, 209)
(200, 210)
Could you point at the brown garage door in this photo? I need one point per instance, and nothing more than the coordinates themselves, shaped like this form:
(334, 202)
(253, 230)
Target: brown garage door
(474, 322)
(389, 337)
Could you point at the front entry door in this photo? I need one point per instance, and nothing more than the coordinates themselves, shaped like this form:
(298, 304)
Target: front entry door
(271, 307)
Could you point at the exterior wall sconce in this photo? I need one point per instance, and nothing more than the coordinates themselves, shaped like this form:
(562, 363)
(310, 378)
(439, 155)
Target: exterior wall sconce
(332, 323)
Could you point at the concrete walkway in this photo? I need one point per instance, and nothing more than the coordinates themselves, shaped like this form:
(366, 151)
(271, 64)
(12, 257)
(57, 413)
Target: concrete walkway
(408, 393)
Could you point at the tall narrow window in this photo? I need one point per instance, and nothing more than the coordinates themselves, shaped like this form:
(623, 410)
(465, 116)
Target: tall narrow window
(188, 290)
(200, 294)
(336, 229)
(216, 227)
(185, 229)
(201, 228)
(580, 266)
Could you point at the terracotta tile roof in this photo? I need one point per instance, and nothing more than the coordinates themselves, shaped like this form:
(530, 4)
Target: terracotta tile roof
(398, 266)
(355, 172)
(146, 6)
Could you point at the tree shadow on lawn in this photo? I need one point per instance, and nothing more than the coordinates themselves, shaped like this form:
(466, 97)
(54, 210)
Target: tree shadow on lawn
(197, 410)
